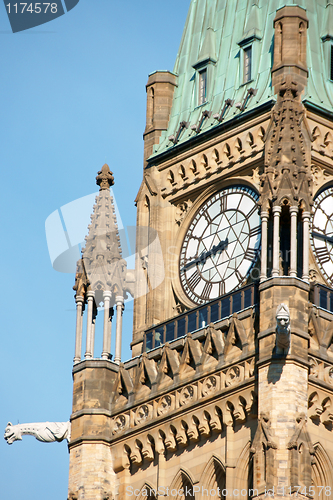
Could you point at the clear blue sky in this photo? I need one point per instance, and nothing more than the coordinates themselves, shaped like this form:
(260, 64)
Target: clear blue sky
(72, 98)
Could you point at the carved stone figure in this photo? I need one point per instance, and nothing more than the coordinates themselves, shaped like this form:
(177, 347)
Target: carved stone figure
(282, 328)
(47, 432)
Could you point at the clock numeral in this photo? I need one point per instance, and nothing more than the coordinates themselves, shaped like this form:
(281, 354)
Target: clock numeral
(222, 288)
(206, 291)
(254, 231)
(254, 209)
(323, 255)
(223, 201)
(250, 254)
(194, 280)
(207, 217)
(239, 276)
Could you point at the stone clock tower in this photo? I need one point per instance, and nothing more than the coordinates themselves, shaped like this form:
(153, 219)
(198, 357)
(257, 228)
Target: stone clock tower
(229, 392)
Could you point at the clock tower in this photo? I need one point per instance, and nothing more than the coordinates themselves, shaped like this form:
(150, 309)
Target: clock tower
(229, 392)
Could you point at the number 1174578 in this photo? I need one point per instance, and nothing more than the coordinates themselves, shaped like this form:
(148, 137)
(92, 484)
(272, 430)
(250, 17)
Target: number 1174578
(33, 8)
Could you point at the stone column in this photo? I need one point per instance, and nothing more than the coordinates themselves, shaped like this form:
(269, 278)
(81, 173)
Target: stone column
(107, 326)
(306, 243)
(119, 325)
(78, 336)
(90, 331)
(264, 223)
(276, 241)
(293, 242)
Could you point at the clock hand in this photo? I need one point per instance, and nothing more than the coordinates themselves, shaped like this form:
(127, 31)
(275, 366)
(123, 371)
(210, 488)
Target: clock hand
(323, 237)
(204, 256)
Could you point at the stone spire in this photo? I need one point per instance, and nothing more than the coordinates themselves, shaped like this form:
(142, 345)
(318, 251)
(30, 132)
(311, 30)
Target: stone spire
(286, 185)
(288, 140)
(287, 162)
(102, 255)
(102, 275)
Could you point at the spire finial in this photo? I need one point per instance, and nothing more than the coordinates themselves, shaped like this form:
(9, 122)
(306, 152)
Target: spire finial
(105, 178)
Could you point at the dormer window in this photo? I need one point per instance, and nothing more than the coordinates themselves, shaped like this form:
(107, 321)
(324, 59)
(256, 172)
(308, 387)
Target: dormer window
(248, 64)
(202, 86)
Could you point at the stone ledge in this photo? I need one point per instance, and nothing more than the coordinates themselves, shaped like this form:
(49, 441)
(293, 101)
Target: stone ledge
(322, 356)
(162, 77)
(89, 440)
(95, 363)
(90, 411)
(284, 281)
(289, 359)
(320, 383)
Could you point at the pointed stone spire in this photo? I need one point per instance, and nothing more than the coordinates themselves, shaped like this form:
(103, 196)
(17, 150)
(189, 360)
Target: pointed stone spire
(253, 23)
(102, 251)
(101, 273)
(287, 151)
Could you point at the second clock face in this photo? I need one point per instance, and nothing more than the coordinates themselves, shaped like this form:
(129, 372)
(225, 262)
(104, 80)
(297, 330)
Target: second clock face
(322, 233)
(221, 244)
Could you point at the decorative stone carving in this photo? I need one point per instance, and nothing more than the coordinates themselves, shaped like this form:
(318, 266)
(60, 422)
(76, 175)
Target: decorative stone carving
(104, 178)
(72, 496)
(141, 414)
(329, 375)
(233, 376)
(182, 210)
(186, 395)
(312, 275)
(209, 386)
(184, 429)
(287, 174)
(164, 405)
(119, 424)
(314, 369)
(282, 328)
(46, 432)
(301, 450)
(263, 449)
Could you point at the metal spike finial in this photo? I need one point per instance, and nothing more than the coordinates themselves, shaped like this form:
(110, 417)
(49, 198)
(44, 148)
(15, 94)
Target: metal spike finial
(105, 178)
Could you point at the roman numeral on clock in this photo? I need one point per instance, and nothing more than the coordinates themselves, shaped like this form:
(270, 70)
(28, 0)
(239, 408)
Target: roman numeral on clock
(254, 231)
(239, 276)
(206, 291)
(250, 254)
(222, 288)
(223, 201)
(194, 280)
(254, 209)
(323, 255)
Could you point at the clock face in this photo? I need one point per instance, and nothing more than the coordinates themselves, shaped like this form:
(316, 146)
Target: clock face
(221, 244)
(322, 233)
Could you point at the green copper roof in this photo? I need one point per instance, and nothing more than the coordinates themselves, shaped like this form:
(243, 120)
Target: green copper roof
(215, 36)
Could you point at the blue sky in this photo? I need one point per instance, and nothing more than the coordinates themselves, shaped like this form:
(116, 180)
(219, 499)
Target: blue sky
(72, 98)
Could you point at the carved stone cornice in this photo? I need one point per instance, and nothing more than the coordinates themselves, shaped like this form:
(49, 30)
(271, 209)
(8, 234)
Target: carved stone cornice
(185, 396)
(149, 438)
